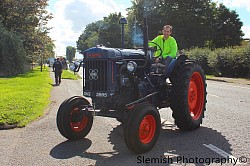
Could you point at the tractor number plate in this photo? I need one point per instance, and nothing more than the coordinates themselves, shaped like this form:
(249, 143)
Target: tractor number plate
(101, 95)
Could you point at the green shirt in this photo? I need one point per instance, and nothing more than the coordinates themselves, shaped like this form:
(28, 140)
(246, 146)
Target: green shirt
(169, 46)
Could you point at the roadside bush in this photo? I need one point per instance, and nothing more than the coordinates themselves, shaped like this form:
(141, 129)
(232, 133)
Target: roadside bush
(232, 62)
(213, 63)
(246, 64)
(201, 56)
(228, 62)
(12, 54)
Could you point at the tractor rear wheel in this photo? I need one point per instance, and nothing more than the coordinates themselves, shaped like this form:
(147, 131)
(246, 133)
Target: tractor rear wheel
(188, 98)
(73, 120)
(142, 128)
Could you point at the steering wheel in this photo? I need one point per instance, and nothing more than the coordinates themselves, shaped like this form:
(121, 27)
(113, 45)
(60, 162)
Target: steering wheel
(158, 48)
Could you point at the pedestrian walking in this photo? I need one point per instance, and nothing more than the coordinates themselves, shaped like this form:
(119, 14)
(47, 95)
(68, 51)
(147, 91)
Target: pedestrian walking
(57, 68)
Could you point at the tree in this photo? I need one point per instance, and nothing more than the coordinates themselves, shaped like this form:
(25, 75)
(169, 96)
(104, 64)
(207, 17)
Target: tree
(110, 31)
(191, 21)
(89, 37)
(27, 19)
(136, 13)
(70, 53)
(227, 28)
(12, 54)
(106, 32)
(196, 23)
(188, 18)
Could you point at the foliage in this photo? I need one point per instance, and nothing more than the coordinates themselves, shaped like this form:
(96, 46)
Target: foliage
(20, 103)
(106, 32)
(227, 62)
(13, 59)
(201, 56)
(226, 28)
(89, 37)
(248, 46)
(27, 19)
(70, 53)
(196, 23)
(66, 74)
(233, 62)
(179, 14)
(110, 31)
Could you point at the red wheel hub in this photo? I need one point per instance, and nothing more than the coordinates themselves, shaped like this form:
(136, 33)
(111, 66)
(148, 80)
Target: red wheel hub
(196, 95)
(147, 129)
(78, 121)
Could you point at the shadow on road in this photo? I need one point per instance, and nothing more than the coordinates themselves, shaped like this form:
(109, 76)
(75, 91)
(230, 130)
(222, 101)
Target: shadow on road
(53, 84)
(172, 144)
(69, 149)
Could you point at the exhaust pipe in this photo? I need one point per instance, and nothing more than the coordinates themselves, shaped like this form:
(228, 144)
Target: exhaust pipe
(145, 36)
(145, 43)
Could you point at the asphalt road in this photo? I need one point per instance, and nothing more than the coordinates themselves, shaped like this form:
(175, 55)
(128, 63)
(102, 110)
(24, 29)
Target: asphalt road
(223, 137)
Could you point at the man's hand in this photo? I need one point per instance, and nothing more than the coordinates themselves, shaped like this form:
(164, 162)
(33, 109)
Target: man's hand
(158, 59)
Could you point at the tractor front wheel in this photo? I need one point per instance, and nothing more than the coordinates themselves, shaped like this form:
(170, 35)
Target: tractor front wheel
(73, 120)
(142, 128)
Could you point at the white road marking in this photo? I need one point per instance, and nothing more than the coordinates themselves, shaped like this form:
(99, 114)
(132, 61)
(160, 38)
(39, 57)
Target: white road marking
(221, 152)
(213, 95)
(235, 86)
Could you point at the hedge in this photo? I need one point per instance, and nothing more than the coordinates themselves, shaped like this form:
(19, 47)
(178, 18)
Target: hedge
(227, 62)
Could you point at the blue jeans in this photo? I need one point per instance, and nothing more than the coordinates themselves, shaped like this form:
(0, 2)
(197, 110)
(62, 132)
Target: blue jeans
(166, 62)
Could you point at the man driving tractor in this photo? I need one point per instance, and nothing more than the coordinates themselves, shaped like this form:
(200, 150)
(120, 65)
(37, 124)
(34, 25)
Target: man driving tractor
(168, 46)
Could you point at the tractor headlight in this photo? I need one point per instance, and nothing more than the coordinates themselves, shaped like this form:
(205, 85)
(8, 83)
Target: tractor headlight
(131, 66)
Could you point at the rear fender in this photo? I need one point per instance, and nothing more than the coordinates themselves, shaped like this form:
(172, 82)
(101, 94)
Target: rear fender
(178, 62)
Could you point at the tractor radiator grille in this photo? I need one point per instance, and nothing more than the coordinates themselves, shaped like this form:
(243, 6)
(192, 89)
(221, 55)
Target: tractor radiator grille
(96, 75)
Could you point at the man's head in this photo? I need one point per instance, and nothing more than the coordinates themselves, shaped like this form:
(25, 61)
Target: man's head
(167, 30)
(57, 59)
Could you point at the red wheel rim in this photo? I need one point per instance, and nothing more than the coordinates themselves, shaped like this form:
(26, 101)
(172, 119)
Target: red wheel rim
(147, 129)
(81, 123)
(196, 95)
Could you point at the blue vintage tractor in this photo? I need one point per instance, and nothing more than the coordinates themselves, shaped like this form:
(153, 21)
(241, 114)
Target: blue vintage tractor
(128, 85)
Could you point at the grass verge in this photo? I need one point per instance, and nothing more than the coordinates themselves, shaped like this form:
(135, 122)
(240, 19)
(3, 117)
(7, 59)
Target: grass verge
(67, 74)
(24, 98)
(209, 76)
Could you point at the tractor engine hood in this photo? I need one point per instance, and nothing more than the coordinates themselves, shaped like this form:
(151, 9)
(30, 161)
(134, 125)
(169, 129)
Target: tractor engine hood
(113, 53)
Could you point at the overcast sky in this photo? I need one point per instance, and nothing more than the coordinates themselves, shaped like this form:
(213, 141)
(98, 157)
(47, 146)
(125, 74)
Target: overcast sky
(71, 17)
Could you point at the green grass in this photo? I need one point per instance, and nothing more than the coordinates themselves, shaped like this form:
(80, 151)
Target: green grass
(209, 76)
(67, 74)
(24, 98)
